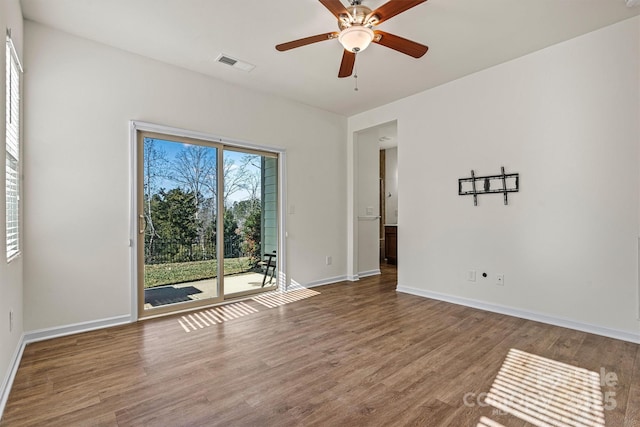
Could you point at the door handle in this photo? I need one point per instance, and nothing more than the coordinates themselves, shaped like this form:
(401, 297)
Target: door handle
(142, 224)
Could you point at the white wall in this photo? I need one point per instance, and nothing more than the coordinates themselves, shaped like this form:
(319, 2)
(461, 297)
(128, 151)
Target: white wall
(81, 96)
(368, 157)
(565, 118)
(11, 283)
(391, 185)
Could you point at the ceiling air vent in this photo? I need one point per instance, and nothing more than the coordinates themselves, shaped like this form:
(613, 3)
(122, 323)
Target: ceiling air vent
(235, 63)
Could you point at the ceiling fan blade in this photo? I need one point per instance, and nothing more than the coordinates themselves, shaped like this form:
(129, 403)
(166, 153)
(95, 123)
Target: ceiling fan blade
(346, 66)
(391, 9)
(305, 41)
(400, 44)
(336, 7)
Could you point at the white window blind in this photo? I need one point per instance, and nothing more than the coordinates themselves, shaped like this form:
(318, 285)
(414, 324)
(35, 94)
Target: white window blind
(12, 149)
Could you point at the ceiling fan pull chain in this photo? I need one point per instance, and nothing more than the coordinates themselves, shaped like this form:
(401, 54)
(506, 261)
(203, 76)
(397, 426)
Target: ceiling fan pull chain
(355, 76)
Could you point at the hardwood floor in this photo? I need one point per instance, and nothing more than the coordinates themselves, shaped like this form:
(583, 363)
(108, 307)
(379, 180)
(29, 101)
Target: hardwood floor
(357, 354)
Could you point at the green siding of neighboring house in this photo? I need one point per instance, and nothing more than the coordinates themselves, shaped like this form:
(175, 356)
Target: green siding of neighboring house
(269, 198)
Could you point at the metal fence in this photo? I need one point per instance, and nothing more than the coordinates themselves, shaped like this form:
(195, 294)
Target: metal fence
(162, 251)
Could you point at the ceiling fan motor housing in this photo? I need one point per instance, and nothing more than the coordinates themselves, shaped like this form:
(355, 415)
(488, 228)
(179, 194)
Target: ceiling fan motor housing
(358, 13)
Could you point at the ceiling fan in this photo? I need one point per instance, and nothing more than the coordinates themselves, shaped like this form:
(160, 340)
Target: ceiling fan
(356, 33)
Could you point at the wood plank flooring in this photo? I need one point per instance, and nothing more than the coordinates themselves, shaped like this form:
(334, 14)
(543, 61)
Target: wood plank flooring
(357, 354)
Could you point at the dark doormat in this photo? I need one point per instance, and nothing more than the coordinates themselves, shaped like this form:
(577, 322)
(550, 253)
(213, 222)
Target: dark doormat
(164, 295)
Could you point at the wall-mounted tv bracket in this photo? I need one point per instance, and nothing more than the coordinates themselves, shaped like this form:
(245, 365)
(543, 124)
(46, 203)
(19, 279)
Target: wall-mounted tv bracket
(504, 183)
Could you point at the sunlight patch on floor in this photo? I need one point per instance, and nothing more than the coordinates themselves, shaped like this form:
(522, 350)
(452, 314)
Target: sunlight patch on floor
(488, 422)
(547, 393)
(222, 313)
(276, 299)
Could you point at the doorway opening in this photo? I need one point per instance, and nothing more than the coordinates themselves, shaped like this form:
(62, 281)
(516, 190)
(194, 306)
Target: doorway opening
(376, 198)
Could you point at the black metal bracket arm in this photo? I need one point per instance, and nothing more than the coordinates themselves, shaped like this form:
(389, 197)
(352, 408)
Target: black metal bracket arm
(504, 183)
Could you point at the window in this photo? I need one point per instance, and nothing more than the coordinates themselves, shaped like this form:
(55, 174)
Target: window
(12, 149)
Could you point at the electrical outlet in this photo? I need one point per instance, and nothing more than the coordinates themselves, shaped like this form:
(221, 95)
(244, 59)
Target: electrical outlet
(328, 260)
(500, 280)
(10, 320)
(471, 275)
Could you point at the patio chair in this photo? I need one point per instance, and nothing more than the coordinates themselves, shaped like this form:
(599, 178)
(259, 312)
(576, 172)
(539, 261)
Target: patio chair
(269, 262)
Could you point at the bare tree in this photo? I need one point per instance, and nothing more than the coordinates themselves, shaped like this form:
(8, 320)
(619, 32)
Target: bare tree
(155, 166)
(245, 175)
(253, 177)
(193, 167)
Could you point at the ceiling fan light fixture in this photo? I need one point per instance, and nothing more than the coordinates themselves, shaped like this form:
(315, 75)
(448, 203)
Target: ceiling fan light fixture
(356, 38)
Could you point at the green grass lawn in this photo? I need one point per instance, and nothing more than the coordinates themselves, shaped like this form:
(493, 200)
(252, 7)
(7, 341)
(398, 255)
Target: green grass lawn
(179, 272)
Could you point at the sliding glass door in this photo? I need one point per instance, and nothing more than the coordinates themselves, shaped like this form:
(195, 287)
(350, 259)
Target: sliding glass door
(188, 254)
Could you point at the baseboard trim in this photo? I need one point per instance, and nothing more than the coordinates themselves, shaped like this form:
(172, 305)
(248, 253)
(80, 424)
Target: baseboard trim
(327, 281)
(76, 328)
(524, 314)
(7, 383)
(369, 273)
(331, 280)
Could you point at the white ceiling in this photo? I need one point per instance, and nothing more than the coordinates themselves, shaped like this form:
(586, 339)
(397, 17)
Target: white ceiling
(464, 36)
